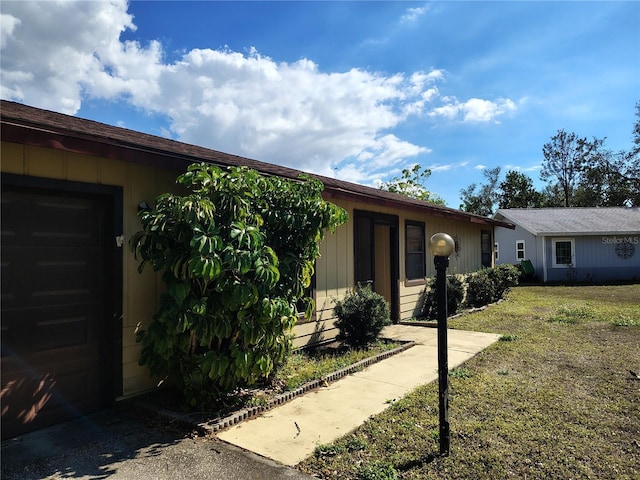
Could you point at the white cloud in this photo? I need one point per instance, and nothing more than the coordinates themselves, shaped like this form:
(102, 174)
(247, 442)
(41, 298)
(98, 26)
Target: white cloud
(332, 123)
(53, 52)
(474, 110)
(8, 23)
(412, 14)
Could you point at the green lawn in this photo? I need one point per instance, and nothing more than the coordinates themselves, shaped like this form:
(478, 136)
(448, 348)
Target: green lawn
(554, 399)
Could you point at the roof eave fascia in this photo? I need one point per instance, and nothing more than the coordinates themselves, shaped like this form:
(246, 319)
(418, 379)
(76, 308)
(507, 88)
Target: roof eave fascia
(60, 138)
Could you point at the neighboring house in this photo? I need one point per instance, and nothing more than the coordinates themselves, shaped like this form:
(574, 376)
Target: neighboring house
(72, 297)
(572, 244)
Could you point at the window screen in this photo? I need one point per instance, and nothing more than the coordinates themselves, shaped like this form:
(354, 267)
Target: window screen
(415, 250)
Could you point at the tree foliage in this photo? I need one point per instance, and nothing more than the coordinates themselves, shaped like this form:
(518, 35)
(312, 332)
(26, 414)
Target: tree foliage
(517, 191)
(612, 178)
(237, 253)
(577, 172)
(412, 184)
(481, 199)
(564, 157)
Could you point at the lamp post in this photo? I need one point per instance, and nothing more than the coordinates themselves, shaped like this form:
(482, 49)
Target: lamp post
(441, 247)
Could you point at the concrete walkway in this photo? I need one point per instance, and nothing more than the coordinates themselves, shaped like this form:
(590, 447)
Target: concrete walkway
(288, 434)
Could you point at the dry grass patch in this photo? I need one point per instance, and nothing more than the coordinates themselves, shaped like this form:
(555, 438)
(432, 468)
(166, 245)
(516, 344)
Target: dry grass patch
(554, 399)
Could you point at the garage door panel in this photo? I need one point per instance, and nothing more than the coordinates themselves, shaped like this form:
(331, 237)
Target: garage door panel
(54, 265)
(32, 332)
(32, 402)
(54, 220)
(50, 276)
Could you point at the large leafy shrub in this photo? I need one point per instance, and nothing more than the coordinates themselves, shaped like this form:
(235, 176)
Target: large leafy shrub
(480, 289)
(237, 253)
(490, 284)
(362, 314)
(455, 294)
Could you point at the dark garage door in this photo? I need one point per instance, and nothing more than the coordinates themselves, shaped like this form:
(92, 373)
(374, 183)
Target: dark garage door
(56, 282)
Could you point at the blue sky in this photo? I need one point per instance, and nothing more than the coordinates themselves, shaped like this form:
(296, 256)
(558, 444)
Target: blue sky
(354, 90)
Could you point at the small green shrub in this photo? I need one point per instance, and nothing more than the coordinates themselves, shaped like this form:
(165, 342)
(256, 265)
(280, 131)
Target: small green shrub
(362, 314)
(490, 284)
(480, 289)
(504, 277)
(455, 293)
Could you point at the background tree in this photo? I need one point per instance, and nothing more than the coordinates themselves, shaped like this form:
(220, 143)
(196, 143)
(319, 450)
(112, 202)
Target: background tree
(412, 184)
(612, 178)
(609, 181)
(236, 254)
(517, 191)
(481, 199)
(635, 149)
(564, 157)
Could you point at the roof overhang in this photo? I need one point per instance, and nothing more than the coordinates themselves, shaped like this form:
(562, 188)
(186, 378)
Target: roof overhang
(42, 128)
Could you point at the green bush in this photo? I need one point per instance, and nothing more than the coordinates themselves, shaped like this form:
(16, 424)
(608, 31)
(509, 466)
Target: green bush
(362, 314)
(236, 254)
(504, 277)
(480, 289)
(490, 284)
(455, 294)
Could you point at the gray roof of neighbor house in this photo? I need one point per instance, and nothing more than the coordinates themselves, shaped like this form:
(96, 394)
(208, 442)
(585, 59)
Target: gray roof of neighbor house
(574, 221)
(34, 126)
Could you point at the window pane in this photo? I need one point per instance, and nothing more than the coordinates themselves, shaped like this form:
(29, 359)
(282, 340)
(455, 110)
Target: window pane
(415, 265)
(563, 253)
(415, 251)
(415, 239)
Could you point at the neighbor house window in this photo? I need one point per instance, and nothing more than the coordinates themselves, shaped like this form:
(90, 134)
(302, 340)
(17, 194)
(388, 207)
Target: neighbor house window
(415, 261)
(563, 252)
(496, 251)
(520, 250)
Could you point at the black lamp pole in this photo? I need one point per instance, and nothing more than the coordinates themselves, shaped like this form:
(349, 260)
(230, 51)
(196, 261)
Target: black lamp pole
(441, 264)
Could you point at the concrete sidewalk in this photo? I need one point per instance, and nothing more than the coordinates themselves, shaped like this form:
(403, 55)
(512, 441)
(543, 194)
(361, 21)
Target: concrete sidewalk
(288, 434)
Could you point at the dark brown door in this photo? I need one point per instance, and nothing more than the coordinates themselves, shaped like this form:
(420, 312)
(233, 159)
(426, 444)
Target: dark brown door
(487, 249)
(54, 280)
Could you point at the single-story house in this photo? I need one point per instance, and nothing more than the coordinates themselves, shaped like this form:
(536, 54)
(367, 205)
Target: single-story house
(71, 293)
(572, 244)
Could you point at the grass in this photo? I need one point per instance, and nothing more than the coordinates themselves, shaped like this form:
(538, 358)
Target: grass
(553, 399)
(302, 367)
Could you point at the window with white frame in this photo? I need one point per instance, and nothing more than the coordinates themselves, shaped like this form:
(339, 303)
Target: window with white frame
(520, 250)
(496, 251)
(563, 252)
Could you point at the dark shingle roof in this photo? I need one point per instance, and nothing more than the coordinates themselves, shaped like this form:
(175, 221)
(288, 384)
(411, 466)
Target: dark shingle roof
(574, 221)
(34, 126)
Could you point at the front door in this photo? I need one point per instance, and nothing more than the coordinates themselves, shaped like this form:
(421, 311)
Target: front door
(376, 255)
(487, 250)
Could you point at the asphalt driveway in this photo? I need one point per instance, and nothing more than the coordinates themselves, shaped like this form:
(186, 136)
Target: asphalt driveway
(124, 444)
